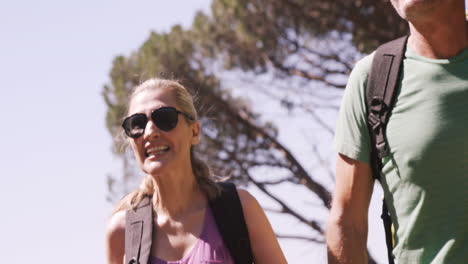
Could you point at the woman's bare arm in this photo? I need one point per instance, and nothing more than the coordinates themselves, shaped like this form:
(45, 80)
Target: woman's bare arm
(115, 238)
(265, 246)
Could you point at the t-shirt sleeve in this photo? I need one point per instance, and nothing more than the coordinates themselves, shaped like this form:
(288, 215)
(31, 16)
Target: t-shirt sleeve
(351, 135)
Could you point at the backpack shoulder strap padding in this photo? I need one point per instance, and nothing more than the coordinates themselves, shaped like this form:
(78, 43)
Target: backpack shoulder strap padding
(381, 87)
(138, 233)
(227, 211)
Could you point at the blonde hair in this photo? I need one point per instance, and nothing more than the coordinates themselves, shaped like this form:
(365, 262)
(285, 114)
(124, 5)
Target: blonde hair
(201, 170)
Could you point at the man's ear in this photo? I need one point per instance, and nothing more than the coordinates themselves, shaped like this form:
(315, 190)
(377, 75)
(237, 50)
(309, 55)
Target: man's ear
(195, 133)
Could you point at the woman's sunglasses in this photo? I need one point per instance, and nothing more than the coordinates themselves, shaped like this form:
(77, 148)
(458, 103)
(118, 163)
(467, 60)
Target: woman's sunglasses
(165, 118)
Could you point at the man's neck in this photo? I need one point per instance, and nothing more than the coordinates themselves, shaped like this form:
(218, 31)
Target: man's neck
(440, 36)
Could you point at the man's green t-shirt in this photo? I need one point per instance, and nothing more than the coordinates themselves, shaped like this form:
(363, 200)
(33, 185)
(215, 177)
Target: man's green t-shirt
(425, 177)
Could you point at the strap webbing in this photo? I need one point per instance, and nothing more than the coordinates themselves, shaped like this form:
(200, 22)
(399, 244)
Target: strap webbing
(387, 221)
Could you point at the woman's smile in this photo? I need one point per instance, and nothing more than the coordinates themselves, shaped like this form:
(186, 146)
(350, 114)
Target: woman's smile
(156, 151)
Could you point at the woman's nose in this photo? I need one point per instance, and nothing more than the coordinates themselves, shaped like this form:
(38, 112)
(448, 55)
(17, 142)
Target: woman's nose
(151, 130)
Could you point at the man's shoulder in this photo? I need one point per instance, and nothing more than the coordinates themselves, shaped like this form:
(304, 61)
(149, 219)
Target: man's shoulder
(363, 66)
(359, 74)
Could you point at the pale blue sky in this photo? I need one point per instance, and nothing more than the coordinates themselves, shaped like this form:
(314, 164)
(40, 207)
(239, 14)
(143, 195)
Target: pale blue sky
(55, 150)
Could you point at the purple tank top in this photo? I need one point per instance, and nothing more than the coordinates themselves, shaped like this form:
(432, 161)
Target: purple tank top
(209, 249)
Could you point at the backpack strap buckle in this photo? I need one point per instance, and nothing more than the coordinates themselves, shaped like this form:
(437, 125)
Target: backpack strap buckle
(133, 261)
(375, 119)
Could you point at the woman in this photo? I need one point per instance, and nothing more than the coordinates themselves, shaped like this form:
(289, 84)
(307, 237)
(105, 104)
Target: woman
(162, 128)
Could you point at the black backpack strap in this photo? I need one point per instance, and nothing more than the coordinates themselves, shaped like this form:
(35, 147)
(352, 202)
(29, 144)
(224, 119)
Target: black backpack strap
(381, 86)
(227, 211)
(138, 233)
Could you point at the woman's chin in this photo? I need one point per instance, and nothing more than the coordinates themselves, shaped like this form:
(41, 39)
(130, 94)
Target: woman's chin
(153, 168)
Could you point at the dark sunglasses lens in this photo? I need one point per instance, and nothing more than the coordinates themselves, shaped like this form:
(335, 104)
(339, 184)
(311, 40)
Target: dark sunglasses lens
(165, 118)
(135, 125)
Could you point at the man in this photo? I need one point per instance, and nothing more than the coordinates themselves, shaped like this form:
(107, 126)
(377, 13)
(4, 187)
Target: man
(425, 177)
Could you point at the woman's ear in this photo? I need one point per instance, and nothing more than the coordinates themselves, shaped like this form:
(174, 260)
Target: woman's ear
(195, 133)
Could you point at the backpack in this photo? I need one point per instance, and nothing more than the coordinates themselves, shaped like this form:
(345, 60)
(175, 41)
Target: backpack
(381, 86)
(227, 211)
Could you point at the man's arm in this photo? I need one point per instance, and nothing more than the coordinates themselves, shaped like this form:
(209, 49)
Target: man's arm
(347, 223)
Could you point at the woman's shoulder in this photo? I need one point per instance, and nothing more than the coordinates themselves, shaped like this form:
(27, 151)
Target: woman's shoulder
(265, 247)
(245, 196)
(116, 227)
(249, 204)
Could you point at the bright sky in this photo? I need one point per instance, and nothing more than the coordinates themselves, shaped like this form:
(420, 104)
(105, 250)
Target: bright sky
(55, 150)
